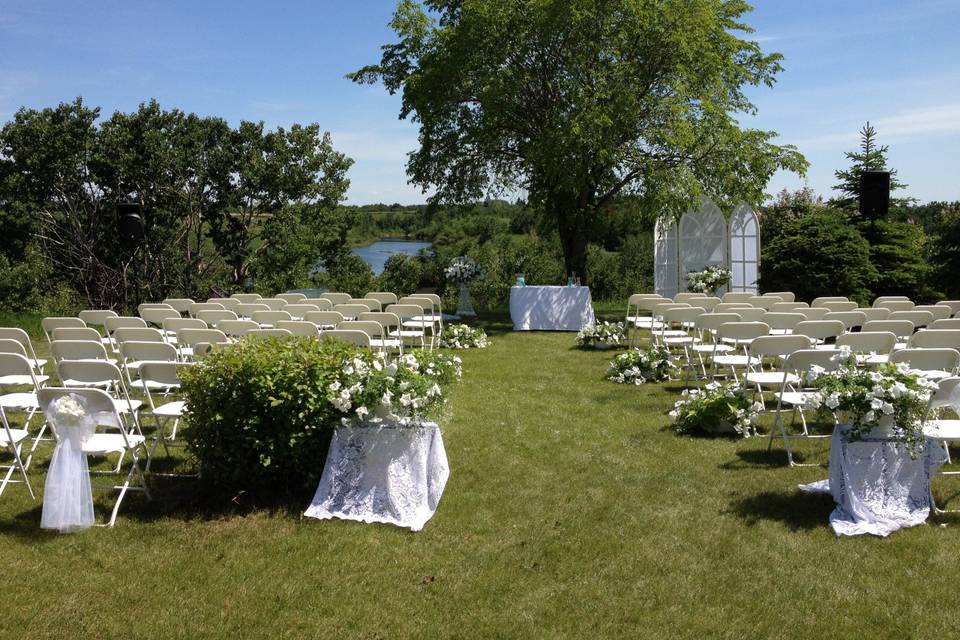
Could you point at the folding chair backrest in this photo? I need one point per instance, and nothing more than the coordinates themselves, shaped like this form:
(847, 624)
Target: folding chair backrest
(787, 307)
(764, 302)
(660, 309)
(270, 317)
(707, 302)
(123, 322)
(49, 324)
(77, 350)
(358, 338)
(21, 336)
(299, 328)
(291, 297)
(940, 312)
(803, 361)
(226, 303)
(99, 404)
(76, 333)
(786, 296)
(839, 306)
(237, 328)
(405, 311)
(683, 314)
(819, 329)
(902, 328)
(96, 317)
(151, 305)
(328, 319)
(89, 372)
(157, 316)
(881, 299)
(954, 305)
(191, 337)
(712, 321)
(182, 305)
(777, 346)
(723, 307)
(267, 333)
(897, 305)
(875, 313)
(946, 395)
(383, 297)
(132, 351)
(350, 311)
(753, 314)
(336, 298)
(432, 297)
(147, 334)
(948, 323)
(814, 313)
(371, 305)
(779, 321)
(13, 346)
(850, 319)
(935, 339)
(881, 342)
(648, 302)
(298, 310)
(386, 319)
(164, 373)
(215, 316)
(15, 364)
(736, 296)
(246, 309)
(742, 330)
(422, 301)
(246, 298)
(175, 324)
(369, 327)
(918, 318)
(928, 359)
(819, 302)
(275, 304)
(683, 296)
(197, 307)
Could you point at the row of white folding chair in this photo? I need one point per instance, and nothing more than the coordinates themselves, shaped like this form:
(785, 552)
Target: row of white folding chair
(19, 383)
(22, 338)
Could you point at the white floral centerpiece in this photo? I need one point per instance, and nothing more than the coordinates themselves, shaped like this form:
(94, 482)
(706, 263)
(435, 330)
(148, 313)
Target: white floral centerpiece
(719, 408)
(888, 402)
(370, 389)
(461, 336)
(708, 280)
(462, 270)
(637, 366)
(602, 335)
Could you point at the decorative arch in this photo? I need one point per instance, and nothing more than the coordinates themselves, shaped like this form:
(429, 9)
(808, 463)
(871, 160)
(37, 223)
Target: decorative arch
(702, 239)
(744, 249)
(666, 258)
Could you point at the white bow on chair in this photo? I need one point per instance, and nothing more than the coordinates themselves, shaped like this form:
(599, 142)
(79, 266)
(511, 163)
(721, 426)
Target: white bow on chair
(67, 496)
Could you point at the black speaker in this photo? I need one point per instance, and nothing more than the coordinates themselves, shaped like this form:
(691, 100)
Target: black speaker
(874, 194)
(130, 223)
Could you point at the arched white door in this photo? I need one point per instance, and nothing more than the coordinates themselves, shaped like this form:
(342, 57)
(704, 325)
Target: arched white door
(744, 249)
(703, 240)
(665, 256)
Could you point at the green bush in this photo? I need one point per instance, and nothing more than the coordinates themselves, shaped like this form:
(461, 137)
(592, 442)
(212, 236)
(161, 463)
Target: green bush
(259, 416)
(898, 253)
(349, 274)
(946, 251)
(403, 274)
(818, 254)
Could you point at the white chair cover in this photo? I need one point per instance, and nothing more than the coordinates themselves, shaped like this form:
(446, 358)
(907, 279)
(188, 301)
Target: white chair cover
(383, 473)
(67, 496)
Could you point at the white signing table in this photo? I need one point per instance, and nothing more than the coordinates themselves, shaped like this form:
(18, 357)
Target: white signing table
(550, 308)
(383, 473)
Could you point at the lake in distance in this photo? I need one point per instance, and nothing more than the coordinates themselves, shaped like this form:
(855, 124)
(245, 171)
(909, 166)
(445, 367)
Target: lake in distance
(377, 254)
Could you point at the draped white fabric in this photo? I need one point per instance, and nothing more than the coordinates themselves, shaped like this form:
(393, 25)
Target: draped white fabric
(383, 473)
(551, 308)
(67, 496)
(877, 486)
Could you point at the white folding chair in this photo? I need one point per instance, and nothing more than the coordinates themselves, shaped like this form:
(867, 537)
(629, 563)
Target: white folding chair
(246, 310)
(775, 349)
(197, 307)
(383, 297)
(19, 383)
(335, 297)
(160, 379)
(182, 305)
(781, 322)
(324, 320)
(213, 317)
(246, 298)
(134, 354)
(298, 310)
(739, 335)
(237, 328)
(292, 297)
(390, 322)
(358, 338)
(946, 430)
(410, 327)
(935, 339)
(275, 304)
(21, 336)
(935, 364)
(51, 323)
(13, 440)
(820, 332)
(869, 347)
(269, 319)
(299, 328)
(76, 333)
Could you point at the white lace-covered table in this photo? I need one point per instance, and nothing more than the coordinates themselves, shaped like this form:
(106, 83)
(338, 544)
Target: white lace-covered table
(877, 486)
(550, 308)
(382, 473)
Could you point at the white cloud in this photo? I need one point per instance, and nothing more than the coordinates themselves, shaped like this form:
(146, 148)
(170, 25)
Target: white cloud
(903, 126)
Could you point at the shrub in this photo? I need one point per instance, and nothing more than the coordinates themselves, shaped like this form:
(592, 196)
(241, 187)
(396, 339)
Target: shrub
(403, 274)
(259, 414)
(946, 251)
(899, 255)
(349, 274)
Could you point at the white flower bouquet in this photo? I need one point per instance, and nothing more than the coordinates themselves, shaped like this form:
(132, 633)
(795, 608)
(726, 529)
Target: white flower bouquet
(708, 280)
(369, 389)
(461, 336)
(463, 269)
(602, 335)
(718, 408)
(892, 396)
(637, 366)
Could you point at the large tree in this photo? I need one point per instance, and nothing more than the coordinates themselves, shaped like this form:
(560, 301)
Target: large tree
(576, 102)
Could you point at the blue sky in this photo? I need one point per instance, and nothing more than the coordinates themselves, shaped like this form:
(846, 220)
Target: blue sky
(895, 63)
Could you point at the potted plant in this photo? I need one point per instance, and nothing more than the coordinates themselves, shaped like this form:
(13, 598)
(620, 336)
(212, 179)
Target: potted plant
(461, 336)
(716, 409)
(637, 366)
(707, 281)
(603, 335)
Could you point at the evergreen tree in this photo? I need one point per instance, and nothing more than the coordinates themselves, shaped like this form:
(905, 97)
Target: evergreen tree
(871, 157)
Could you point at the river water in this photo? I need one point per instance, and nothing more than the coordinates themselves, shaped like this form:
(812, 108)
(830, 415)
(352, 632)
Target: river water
(377, 254)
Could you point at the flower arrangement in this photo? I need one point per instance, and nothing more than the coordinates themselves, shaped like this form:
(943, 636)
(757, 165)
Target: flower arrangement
(891, 396)
(708, 280)
(69, 411)
(371, 389)
(718, 408)
(602, 335)
(461, 336)
(463, 269)
(637, 366)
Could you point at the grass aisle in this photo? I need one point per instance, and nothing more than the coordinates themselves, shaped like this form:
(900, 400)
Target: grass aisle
(571, 511)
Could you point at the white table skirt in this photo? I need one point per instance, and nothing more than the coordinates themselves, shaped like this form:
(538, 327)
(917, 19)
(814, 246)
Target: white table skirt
(877, 486)
(550, 308)
(382, 473)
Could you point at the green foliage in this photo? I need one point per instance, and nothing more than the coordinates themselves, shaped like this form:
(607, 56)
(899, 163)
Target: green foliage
(871, 157)
(28, 284)
(946, 250)
(259, 417)
(403, 274)
(818, 254)
(349, 274)
(787, 206)
(579, 103)
(898, 253)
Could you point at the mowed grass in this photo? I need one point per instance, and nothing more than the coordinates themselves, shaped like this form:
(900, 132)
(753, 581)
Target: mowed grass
(572, 511)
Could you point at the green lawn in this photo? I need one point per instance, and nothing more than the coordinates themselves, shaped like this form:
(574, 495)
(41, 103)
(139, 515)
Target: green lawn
(571, 511)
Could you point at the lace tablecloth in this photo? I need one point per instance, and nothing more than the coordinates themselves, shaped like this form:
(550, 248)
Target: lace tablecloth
(550, 308)
(383, 473)
(877, 486)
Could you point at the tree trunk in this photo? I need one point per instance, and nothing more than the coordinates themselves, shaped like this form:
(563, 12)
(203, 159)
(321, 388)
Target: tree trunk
(574, 237)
